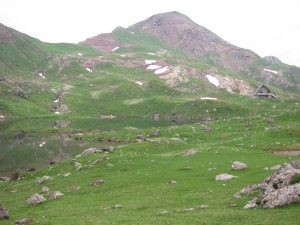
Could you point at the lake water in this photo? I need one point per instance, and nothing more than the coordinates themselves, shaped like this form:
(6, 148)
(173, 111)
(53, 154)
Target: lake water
(37, 146)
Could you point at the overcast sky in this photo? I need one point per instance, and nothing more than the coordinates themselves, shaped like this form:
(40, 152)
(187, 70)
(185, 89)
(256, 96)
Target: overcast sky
(267, 27)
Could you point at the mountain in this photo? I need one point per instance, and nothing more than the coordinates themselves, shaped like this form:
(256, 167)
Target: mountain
(176, 32)
(166, 64)
(272, 59)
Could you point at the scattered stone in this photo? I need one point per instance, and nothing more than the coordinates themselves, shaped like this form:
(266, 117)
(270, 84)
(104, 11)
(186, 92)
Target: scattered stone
(66, 174)
(189, 152)
(207, 129)
(239, 165)
(155, 133)
(110, 165)
(117, 206)
(99, 160)
(36, 199)
(172, 182)
(107, 148)
(52, 162)
(55, 194)
(23, 221)
(16, 175)
(204, 206)
(30, 169)
(188, 210)
(90, 151)
(4, 179)
(3, 213)
(74, 188)
(78, 165)
(251, 204)
(2, 118)
(45, 189)
(41, 180)
(73, 161)
(164, 212)
(224, 176)
(270, 120)
(233, 205)
(97, 182)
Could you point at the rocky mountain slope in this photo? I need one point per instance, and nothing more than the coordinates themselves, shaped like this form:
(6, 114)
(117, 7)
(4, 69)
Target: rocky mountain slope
(166, 62)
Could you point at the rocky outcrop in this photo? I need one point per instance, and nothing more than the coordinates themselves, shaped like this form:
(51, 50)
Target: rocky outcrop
(279, 189)
(36, 199)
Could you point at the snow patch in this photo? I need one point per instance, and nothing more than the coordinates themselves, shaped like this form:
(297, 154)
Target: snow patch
(149, 61)
(42, 76)
(153, 67)
(139, 83)
(208, 98)
(150, 53)
(57, 113)
(162, 70)
(132, 32)
(89, 70)
(80, 54)
(271, 71)
(213, 80)
(42, 144)
(116, 48)
(56, 101)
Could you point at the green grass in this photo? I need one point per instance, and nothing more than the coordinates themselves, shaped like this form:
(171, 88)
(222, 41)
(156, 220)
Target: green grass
(140, 175)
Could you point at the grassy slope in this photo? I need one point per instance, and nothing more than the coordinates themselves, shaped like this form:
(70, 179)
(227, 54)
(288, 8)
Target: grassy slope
(138, 179)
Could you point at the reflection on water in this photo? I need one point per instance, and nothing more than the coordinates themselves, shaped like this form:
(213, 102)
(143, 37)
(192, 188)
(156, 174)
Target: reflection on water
(24, 150)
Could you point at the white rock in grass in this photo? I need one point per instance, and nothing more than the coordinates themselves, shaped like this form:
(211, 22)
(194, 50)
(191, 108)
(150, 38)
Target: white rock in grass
(36, 199)
(149, 61)
(239, 165)
(55, 194)
(89, 70)
(162, 70)
(213, 80)
(224, 176)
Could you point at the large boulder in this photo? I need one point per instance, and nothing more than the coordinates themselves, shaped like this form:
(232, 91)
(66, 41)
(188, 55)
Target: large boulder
(36, 199)
(3, 213)
(239, 165)
(279, 189)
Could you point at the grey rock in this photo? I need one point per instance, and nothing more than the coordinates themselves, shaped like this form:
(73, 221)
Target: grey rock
(239, 165)
(90, 151)
(4, 179)
(55, 195)
(97, 182)
(283, 196)
(39, 181)
(224, 176)
(23, 221)
(99, 160)
(189, 152)
(45, 189)
(155, 133)
(3, 213)
(107, 148)
(36, 199)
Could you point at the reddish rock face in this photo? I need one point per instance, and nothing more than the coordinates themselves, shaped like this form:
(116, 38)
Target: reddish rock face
(103, 42)
(5, 34)
(181, 32)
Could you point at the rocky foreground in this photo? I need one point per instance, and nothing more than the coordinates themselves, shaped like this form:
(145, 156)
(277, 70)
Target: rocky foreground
(279, 189)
